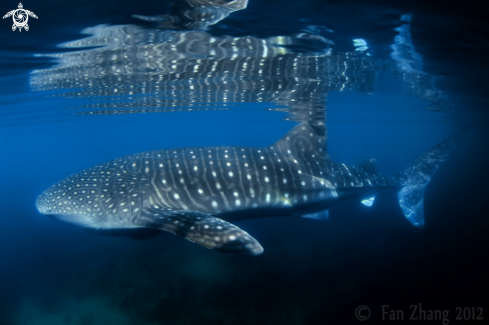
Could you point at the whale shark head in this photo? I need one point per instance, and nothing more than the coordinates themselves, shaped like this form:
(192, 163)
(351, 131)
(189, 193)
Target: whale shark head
(91, 199)
(61, 203)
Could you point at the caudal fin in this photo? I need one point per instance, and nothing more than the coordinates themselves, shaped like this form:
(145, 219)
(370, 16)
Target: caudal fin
(418, 174)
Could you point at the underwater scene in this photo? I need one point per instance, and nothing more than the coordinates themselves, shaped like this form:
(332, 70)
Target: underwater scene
(244, 162)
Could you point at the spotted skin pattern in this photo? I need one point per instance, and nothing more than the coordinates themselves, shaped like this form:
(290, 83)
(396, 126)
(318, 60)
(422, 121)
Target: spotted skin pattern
(196, 192)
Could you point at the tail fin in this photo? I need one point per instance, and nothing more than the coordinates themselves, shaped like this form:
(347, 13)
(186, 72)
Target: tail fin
(417, 175)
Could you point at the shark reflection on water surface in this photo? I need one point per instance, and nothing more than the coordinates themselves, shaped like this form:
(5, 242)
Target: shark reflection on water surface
(197, 193)
(136, 69)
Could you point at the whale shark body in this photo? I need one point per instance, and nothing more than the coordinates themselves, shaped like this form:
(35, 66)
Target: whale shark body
(197, 193)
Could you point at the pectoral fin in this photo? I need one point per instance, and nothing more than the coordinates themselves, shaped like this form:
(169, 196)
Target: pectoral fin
(203, 229)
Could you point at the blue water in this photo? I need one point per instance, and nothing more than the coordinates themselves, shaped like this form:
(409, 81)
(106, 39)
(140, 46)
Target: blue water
(379, 104)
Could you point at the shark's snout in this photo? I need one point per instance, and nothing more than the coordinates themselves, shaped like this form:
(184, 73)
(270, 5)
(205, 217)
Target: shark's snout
(42, 203)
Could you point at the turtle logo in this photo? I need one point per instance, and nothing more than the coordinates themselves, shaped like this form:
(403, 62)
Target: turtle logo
(20, 17)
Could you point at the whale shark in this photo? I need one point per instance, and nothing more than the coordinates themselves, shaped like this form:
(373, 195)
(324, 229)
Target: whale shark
(197, 193)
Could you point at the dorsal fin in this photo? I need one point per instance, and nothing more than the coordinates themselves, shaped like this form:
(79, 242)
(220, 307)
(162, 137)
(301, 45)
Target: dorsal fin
(369, 166)
(303, 141)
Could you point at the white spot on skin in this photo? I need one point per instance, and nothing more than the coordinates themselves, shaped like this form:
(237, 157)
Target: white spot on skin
(214, 204)
(232, 237)
(238, 202)
(196, 168)
(268, 198)
(176, 196)
(200, 191)
(230, 174)
(266, 179)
